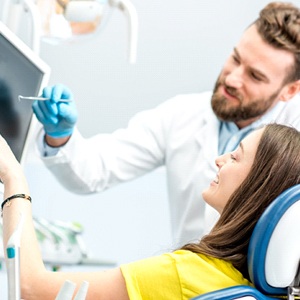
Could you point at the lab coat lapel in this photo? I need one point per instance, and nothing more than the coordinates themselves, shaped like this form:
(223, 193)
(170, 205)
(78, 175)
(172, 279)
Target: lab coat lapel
(208, 136)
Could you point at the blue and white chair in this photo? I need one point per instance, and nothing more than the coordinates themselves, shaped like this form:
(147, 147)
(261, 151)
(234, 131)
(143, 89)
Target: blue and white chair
(273, 255)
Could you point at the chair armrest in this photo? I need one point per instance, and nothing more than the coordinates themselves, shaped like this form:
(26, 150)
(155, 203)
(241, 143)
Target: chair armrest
(235, 292)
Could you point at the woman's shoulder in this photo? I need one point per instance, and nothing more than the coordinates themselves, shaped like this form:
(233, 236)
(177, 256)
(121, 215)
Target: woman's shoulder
(202, 268)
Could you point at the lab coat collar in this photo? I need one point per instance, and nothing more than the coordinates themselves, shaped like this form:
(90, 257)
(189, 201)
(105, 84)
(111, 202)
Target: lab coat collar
(207, 137)
(209, 131)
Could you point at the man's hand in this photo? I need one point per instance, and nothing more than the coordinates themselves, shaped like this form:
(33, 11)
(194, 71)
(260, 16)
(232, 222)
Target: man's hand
(58, 118)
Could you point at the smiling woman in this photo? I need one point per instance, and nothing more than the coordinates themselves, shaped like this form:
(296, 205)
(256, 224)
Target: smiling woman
(249, 179)
(278, 152)
(233, 169)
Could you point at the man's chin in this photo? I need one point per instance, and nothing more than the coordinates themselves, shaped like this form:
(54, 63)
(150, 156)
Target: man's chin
(226, 114)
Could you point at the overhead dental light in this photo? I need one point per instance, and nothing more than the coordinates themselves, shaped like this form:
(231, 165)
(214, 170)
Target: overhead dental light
(61, 21)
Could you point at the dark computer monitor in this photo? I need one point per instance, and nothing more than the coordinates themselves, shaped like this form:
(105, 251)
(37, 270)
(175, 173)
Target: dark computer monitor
(22, 72)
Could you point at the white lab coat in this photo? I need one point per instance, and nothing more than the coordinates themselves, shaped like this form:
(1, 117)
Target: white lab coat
(181, 134)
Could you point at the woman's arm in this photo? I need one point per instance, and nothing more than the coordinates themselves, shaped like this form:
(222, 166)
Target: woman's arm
(37, 282)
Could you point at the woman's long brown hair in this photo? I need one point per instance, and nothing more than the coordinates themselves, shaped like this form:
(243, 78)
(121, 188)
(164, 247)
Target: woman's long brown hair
(276, 167)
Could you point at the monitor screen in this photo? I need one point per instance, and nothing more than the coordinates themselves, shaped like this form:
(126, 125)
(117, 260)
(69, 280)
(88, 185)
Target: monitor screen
(22, 72)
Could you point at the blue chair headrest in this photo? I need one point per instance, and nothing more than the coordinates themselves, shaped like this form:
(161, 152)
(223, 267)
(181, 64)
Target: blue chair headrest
(274, 249)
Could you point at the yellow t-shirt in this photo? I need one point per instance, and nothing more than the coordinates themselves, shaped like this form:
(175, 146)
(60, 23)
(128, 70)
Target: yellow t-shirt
(179, 275)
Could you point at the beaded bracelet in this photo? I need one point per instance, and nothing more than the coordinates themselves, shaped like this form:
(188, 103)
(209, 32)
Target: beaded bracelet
(7, 200)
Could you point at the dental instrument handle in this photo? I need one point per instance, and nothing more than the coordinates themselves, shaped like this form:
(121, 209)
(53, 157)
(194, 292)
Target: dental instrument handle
(82, 292)
(13, 273)
(31, 98)
(13, 262)
(66, 291)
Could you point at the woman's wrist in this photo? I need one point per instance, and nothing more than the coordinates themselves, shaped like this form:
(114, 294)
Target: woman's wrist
(14, 183)
(8, 200)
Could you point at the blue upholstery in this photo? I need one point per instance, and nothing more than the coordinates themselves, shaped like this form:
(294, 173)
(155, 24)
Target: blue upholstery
(261, 236)
(234, 292)
(262, 247)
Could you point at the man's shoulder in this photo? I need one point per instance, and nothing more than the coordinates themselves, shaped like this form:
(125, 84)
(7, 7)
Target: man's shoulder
(294, 102)
(200, 99)
(193, 101)
(180, 109)
(290, 114)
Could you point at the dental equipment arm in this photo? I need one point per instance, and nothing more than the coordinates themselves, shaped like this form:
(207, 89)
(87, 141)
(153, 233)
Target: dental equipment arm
(12, 11)
(74, 11)
(127, 7)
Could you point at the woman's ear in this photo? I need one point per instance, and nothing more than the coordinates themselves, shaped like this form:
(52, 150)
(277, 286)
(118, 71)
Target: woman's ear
(290, 90)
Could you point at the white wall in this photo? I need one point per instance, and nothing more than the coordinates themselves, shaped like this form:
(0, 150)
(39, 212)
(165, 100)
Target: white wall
(182, 46)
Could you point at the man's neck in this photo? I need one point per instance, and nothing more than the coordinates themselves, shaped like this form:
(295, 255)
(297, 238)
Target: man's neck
(244, 123)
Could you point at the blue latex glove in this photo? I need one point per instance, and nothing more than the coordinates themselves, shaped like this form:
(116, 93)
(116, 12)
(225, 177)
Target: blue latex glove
(58, 118)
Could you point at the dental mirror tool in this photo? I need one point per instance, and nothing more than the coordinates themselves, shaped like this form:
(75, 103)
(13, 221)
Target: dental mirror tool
(13, 262)
(31, 98)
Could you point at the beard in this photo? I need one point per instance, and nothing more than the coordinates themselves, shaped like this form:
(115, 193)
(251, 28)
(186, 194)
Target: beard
(243, 111)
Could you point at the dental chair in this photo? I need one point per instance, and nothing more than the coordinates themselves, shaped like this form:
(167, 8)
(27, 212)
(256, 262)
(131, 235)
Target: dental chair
(273, 254)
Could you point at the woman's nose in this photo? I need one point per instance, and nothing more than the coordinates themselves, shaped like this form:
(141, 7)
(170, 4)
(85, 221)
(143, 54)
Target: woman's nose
(220, 161)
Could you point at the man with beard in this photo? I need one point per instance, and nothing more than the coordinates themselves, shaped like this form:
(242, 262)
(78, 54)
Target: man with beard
(258, 84)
